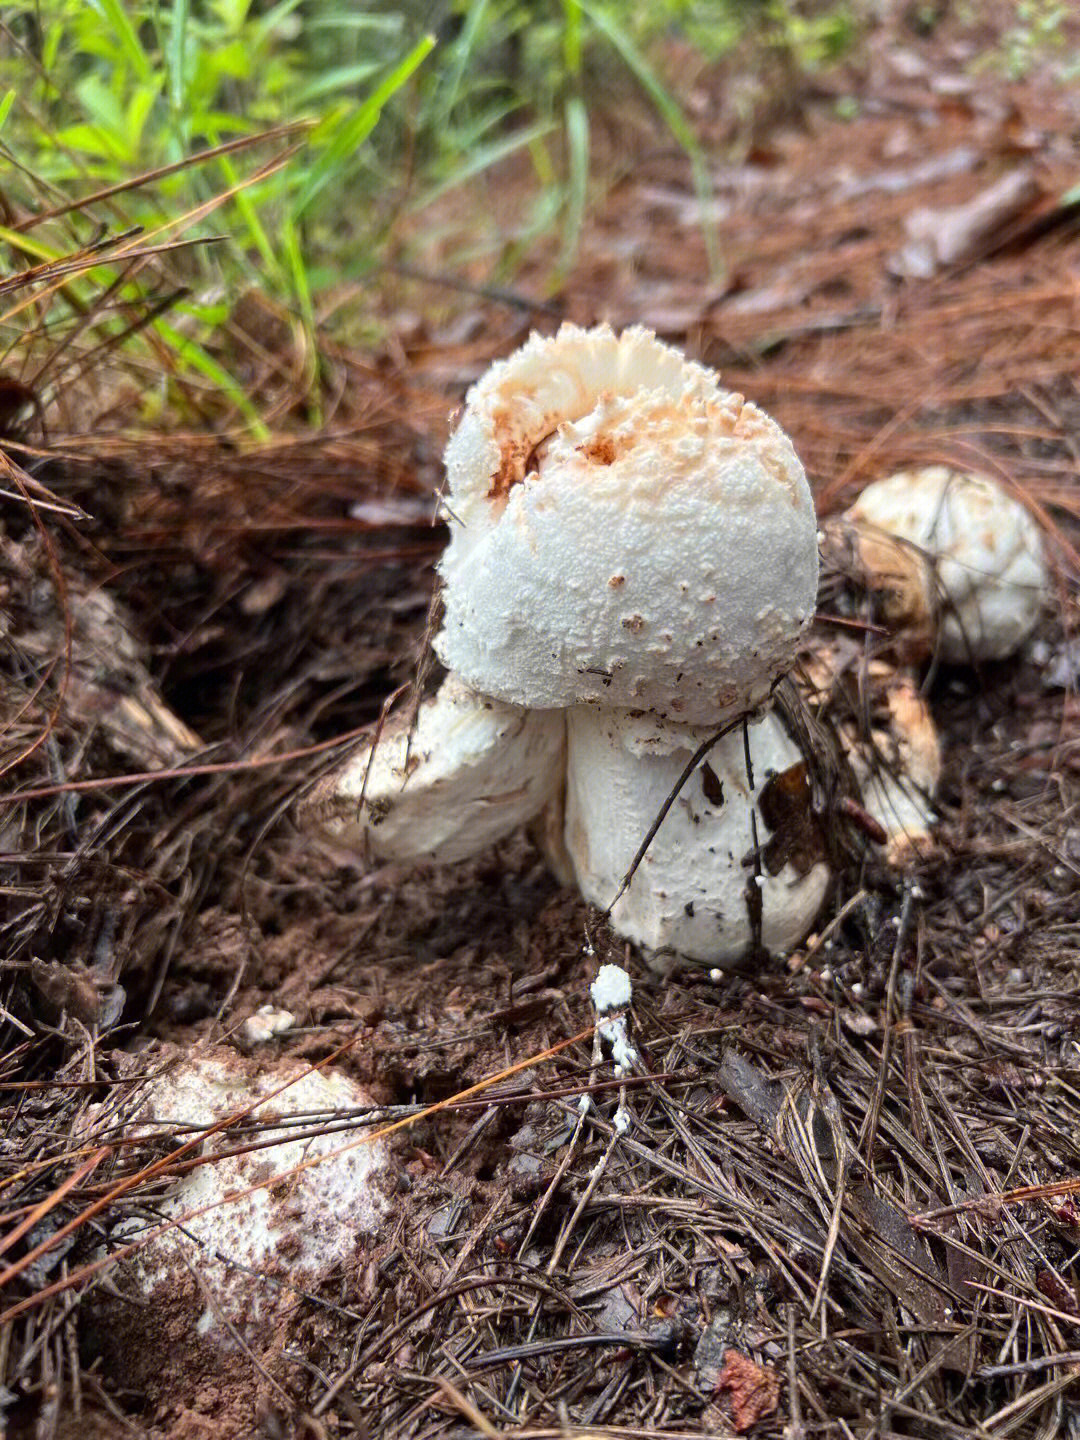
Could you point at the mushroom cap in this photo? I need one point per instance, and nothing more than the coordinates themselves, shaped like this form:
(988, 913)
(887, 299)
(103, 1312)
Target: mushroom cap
(475, 770)
(982, 552)
(305, 1227)
(689, 896)
(622, 531)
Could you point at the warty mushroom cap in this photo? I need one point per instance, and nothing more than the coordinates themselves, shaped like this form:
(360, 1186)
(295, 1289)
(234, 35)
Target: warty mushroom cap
(474, 770)
(979, 550)
(623, 531)
(689, 897)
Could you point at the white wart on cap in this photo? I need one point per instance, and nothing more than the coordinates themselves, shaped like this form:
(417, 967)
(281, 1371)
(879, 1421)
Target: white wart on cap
(692, 893)
(623, 531)
(973, 580)
(474, 770)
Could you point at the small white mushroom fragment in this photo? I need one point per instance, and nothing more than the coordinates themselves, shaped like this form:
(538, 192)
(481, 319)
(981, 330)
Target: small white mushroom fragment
(234, 1262)
(611, 993)
(267, 1022)
(957, 562)
(697, 890)
(622, 531)
(888, 735)
(473, 771)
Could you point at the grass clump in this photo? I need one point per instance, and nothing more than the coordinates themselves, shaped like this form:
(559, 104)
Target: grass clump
(287, 137)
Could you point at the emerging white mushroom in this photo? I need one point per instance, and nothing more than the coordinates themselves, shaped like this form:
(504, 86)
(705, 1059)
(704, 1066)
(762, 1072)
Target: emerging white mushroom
(622, 531)
(957, 562)
(248, 1252)
(899, 768)
(473, 770)
(889, 737)
(697, 890)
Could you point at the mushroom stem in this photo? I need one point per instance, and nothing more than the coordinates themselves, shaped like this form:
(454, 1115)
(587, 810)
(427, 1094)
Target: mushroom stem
(707, 889)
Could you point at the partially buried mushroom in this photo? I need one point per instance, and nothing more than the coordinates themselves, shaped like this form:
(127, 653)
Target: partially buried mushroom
(947, 565)
(632, 563)
(954, 563)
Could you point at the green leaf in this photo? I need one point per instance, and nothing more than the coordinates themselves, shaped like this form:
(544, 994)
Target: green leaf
(124, 32)
(352, 133)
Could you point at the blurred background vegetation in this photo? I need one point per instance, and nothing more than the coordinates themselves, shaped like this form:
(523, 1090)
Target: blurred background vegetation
(294, 140)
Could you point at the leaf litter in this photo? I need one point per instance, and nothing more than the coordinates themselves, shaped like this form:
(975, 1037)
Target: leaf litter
(847, 1200)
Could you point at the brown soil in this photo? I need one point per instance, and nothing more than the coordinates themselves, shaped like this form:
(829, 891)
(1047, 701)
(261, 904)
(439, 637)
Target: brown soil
(849, 1200)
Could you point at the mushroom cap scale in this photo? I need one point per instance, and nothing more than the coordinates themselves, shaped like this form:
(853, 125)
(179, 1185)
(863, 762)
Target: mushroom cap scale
(473, 771)
(689, 896)
(623, 531)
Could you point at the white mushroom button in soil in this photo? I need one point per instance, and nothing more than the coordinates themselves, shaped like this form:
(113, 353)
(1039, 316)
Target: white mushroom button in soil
(691, 894)
(622, 531)
(295, 1232)
(973, 579)
(473, 770)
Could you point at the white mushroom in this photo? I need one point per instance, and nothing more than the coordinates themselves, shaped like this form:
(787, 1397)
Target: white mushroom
(887, 732)
(899, 768)
(473, 770)
(623, 531)
(956, 561)
(249, 1252)
(632, 563)
(696, 891)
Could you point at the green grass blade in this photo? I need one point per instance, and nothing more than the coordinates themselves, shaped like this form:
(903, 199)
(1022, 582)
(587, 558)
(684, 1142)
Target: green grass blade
(5, 106)
(462, 53)
(576, 122)
(176, 62)
(246, 208)
(672, 115)
(484, 159)
(358, 126)
(117, 16)
(191, 355)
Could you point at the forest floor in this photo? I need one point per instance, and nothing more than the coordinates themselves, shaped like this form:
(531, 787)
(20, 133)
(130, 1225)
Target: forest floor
(848, 1203)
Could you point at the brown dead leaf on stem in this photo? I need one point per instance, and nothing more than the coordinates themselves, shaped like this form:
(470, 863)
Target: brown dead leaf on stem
(755, 1389)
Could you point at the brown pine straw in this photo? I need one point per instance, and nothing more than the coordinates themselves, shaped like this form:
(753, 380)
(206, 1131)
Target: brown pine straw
(866, 1178)
(163, 1166)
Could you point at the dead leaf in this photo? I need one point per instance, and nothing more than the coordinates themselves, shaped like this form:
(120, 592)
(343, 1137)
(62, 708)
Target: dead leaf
(755, 1390)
